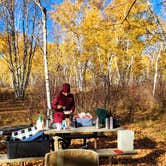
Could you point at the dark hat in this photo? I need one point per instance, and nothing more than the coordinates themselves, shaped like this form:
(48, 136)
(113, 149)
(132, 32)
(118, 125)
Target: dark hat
(66, 88)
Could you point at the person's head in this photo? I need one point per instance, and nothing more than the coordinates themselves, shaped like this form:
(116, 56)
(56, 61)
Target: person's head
(66, 88)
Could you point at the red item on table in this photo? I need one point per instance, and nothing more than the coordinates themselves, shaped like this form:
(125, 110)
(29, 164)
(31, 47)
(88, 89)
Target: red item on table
(118, 151)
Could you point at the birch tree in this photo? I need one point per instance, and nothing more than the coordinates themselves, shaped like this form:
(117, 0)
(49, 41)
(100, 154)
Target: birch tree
(156, 70)
(19, 47)
(44, 20)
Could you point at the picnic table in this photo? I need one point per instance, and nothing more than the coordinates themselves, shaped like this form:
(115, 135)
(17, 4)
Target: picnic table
(81, 133)
(91, 132)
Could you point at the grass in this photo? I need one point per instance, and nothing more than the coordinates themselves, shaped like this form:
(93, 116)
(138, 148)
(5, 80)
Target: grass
(150, 133)
(155, 128)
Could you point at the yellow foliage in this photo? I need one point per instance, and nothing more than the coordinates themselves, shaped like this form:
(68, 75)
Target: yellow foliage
(162, 63)
(66, 13)
(38, 63)
(96, 36)
(4, 71)
(3, 43)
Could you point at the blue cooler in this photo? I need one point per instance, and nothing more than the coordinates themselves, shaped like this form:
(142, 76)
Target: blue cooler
(81, 122)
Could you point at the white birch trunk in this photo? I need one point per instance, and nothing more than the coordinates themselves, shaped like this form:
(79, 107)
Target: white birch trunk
(156, 71)
(43, 10)
(130, 75)
(80, 76)
(46, 68)
(109, 69)
(117, 70)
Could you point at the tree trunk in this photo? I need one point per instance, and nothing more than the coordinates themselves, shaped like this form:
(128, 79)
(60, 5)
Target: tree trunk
(156, 71)
(19, 63)
(44, 20)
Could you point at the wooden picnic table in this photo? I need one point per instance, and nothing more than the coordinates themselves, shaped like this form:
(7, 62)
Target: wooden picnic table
(92, 132)
(74, 133)
(81, 133)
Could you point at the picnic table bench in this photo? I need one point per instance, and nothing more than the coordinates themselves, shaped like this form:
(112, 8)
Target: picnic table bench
(105, 152)
(4, 159)
(111, 152)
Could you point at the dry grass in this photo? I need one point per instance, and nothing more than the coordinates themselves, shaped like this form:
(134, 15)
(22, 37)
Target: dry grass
(149, 141)
(149, 125)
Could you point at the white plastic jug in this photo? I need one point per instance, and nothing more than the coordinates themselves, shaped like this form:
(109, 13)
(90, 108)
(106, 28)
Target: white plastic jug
(126, 140)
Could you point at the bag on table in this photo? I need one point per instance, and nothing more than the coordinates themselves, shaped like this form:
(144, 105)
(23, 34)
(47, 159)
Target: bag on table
(102, 114)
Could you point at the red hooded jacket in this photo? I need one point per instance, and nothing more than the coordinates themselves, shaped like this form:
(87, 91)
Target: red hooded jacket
(66, 101)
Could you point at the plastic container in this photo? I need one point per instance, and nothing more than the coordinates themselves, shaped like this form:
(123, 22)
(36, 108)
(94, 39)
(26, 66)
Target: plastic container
(64, 124)
(106, 123)
(39, 123)
(58, 126)
(80, 122)
(24, 133)
(97, 123)
(111, 122)
(126, 140)
(20, 149)
(67, 122)
(74, 123)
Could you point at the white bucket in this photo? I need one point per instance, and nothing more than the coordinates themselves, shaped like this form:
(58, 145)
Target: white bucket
(126, 140)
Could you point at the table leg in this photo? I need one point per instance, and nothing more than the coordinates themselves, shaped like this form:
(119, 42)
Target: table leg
(95, 143)
(110, 160)
(84, 142)
(56, 143)
(21, 163)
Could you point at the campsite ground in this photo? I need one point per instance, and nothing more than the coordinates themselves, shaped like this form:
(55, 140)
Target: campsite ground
(150, 135)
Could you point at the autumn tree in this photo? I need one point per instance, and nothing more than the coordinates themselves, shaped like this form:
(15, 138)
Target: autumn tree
(19, 42)
(108, 37)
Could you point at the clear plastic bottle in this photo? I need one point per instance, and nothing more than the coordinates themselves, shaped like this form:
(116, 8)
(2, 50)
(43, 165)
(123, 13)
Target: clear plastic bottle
(106, 123)
(39, 123)
(74, 123)
(97, 123)
(111, 122)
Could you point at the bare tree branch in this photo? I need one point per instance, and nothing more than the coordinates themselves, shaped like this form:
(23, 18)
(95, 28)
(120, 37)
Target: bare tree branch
(129, 11)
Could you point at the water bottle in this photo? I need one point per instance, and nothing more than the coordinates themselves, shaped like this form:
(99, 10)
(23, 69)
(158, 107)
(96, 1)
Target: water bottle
(74, 123)
(97, 123)
(106, 123)
(39, 123)
(111, 122)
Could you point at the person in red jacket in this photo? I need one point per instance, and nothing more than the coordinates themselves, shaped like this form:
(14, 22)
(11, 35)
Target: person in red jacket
(63, 104)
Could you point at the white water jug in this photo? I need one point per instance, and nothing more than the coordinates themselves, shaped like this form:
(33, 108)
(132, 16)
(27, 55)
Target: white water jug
(126, 140)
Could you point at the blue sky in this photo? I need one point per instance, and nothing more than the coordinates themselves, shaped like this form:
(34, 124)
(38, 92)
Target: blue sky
(156, 5)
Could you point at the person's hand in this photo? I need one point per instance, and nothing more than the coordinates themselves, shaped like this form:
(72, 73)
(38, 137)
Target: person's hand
(59, 106)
